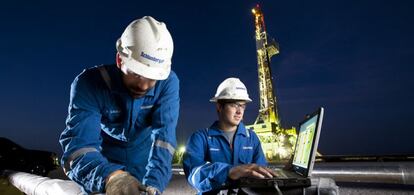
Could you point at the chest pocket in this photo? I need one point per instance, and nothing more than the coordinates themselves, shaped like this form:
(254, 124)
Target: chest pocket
(112, 122)
(216, 154)
(216, 151)
(113, 116)
(246, 153)
(144, 118)
(113, 110)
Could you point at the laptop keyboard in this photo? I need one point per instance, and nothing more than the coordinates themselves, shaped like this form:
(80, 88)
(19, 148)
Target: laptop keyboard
(284, 174)
(283, 178)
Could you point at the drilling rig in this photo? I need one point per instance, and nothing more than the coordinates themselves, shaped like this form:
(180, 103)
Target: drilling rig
(277, 142)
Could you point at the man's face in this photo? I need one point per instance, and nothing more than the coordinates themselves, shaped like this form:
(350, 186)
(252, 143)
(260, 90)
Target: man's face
(137, 85)
(231, 113)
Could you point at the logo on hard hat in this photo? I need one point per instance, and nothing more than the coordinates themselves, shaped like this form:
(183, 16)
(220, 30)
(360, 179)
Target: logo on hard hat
(152, 58)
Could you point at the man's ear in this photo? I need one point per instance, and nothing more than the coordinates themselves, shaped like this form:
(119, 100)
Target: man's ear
(118, 60)
(218, 107)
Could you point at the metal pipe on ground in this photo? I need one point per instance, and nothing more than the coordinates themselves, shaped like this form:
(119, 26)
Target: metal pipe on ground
(367, 172)
(37, 185)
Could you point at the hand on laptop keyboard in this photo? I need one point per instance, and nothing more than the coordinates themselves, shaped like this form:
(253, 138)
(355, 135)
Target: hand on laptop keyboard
(250, 170)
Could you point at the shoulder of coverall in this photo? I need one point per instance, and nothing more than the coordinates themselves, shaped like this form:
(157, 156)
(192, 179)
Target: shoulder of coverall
(172, 79)
(108, 75)
(89, 80)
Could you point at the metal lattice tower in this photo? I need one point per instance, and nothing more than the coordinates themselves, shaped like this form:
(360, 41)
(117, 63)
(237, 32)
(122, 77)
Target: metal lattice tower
(277, 142)
(268, 106)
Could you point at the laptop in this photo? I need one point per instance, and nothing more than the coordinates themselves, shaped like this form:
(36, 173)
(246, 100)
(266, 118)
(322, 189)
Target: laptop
(302, 161)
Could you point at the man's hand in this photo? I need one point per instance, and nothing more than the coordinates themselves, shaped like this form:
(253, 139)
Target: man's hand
(122, 183)
(250, 170)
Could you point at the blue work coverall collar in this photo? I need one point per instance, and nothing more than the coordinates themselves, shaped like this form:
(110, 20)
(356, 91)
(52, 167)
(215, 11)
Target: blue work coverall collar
(119, 87)
(215, 131)
(237, 143)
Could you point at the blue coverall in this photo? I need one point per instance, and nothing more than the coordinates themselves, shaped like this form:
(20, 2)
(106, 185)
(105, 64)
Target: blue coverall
(209, 157)
(108, 130)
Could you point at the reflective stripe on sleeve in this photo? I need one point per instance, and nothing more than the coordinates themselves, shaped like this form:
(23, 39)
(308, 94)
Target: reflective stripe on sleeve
(147, 107)
(196, 172)
(75, 155)
(165, 145)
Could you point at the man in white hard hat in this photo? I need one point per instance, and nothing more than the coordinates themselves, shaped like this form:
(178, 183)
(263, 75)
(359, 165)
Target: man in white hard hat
(226, 150)
(120, 130)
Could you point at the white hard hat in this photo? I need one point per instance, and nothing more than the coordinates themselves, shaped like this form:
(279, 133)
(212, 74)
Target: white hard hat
(231, 89)
(146, 48)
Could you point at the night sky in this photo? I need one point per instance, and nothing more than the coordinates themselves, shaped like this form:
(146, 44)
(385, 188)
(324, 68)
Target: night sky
(353, 57)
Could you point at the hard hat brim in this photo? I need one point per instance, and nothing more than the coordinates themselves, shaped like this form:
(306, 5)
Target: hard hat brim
(215, 99)
(155, 73)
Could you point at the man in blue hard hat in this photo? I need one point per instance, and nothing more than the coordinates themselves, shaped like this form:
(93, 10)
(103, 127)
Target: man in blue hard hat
(226, 150)
(120, 130)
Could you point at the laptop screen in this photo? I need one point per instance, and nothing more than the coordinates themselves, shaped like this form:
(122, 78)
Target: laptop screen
(307, 143)
(304, 143)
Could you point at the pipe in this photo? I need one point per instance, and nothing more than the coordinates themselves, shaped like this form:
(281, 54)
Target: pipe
(367, 172)
(37, 185)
